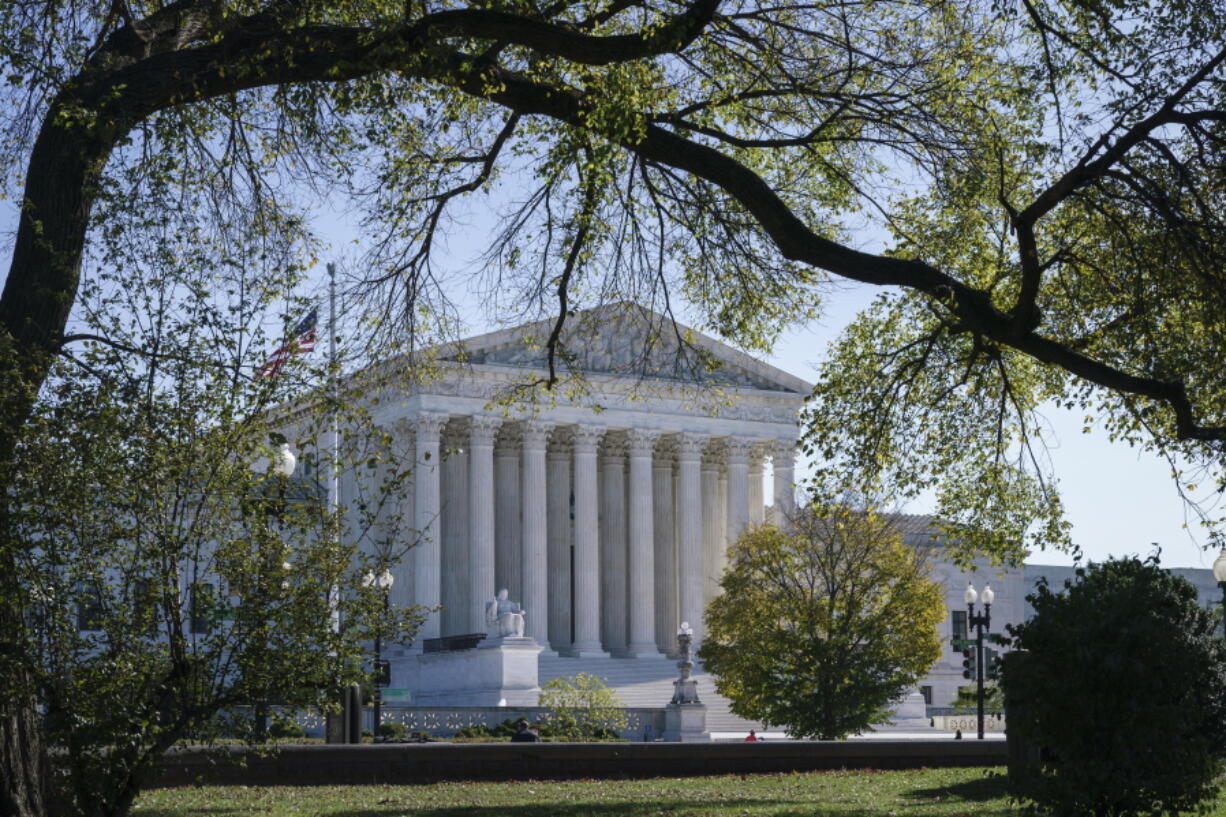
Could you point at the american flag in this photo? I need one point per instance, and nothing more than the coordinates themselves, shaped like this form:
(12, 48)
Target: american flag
(300, 342)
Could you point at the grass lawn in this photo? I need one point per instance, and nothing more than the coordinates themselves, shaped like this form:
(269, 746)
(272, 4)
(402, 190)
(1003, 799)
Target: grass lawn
(923, 793)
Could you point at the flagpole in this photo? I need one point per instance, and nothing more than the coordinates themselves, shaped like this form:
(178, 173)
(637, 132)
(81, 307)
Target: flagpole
(347, 729)
(334, 492)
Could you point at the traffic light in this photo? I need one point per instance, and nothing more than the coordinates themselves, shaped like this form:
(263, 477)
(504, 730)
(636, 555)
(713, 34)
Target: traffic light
(991, 665)
(968, 664)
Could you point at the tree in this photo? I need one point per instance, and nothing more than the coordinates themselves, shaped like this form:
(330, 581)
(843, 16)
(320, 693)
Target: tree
(1047, 173)
(1124, 680)
(582, 708)
(178, 587)
(821, 630)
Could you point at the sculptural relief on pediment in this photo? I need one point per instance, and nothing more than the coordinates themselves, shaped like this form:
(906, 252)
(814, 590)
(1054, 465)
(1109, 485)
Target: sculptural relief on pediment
(627, 343)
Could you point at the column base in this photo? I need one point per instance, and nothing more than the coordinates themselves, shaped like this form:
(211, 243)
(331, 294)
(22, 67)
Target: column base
(585, 649)
(646, 651)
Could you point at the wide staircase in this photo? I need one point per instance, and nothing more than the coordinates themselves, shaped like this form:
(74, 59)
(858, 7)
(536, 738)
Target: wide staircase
(648, 682)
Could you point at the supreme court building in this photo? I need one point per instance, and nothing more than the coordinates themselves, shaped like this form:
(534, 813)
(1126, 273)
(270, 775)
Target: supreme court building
(607, 512)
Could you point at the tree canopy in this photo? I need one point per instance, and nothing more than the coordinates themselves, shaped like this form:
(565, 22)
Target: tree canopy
(1044, 177)
(822, 629)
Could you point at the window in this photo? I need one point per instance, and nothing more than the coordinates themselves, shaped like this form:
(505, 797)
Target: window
(959, 623)
(203, 608)
(90, 610)
(926, 691)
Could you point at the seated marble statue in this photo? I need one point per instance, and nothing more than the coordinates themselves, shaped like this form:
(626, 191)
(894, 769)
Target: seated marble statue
(505, 615)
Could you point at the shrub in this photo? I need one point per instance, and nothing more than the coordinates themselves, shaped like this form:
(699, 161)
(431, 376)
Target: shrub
(393, 730)
(581, 708)
(1124, 685)
(286, 729)
(478, 731)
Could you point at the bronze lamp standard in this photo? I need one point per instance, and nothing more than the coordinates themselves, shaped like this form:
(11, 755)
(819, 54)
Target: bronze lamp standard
(382, 581)
(980, 623)
(1219, 573)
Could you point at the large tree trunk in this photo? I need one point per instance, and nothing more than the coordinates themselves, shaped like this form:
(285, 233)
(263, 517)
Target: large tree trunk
(22, 758)
(37, 298)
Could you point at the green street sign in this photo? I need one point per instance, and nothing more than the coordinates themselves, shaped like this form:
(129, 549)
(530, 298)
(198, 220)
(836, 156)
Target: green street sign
(397, 694)
(963, 643)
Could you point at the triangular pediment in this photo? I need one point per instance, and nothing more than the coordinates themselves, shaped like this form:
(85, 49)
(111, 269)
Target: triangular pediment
(629, 341)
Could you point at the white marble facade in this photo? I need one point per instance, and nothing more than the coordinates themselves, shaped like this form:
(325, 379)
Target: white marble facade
(607, 515)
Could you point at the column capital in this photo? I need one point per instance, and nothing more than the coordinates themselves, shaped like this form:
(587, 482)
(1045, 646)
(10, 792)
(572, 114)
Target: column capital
(483, 429)
(641, 442)
(666, 450)
(689, 446)
(739, 450)
(587, 437)
(535, 434)
(455, 434)
(429, 426)
(614, 444)
(761, 450)
(560, 442)
(508, 440)
(783, 453)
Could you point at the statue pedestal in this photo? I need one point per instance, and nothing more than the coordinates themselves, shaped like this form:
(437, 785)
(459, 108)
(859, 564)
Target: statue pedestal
(498, 672)
(686, 723)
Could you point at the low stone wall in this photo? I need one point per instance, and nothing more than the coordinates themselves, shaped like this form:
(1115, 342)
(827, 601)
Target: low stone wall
(424, 763)
(445, 721)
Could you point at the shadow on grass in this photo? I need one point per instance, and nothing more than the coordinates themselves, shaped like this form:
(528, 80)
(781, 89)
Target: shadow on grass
(652, 807)
(927, 803)
(980, 790)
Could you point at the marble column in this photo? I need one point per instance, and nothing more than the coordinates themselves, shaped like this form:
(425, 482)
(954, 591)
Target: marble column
(664, 529)
(641, 591)
(739, 451)
(508, 561)
(784, 464)
(405, 534)
(613, 544)
(558, 497)
(587, 545)
(535, 561)
(453, 507)
(757, 509)
(427, 558)
(719, 557)
(712, 533)
(691, 512)
(481, 518)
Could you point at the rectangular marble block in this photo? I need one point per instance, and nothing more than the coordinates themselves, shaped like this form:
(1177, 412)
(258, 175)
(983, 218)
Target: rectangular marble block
(500, 672)
(686, 723)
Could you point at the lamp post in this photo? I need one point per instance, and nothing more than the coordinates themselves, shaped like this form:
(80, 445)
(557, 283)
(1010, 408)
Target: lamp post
(1219, 573)
(383, 580)
(980, 623)
(278, 465)
(685, 688)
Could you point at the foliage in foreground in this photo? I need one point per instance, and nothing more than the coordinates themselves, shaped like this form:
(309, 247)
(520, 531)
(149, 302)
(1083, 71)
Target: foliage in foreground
(1124, 686)
(180, 583)
(820, 630)
(582, 707)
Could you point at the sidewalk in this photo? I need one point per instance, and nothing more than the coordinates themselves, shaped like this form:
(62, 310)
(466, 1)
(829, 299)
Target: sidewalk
(928, 735)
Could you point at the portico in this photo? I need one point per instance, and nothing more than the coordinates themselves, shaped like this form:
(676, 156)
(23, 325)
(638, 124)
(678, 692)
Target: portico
(609, 525)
